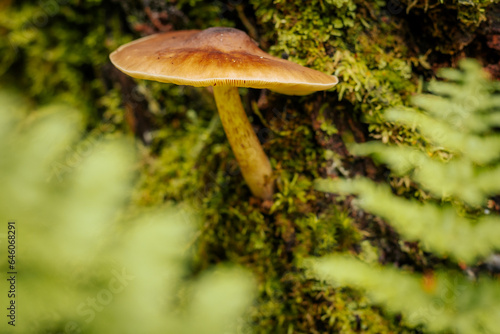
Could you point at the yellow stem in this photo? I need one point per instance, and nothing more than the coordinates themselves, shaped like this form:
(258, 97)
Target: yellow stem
(253, 162)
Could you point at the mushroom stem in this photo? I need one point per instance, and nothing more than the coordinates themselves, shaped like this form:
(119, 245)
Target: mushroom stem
(253, 162)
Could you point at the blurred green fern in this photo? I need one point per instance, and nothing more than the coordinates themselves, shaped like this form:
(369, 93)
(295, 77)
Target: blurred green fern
(460, 169)
(80, 267)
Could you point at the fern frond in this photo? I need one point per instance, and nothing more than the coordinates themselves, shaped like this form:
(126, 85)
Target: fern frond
(441, 301)
(439, 228)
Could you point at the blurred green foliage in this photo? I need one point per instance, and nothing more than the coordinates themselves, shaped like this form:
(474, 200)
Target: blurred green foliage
(459, 119)
(443, 301)
(84, 262)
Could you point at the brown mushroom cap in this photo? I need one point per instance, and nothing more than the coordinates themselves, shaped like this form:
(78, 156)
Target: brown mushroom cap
(215, 56)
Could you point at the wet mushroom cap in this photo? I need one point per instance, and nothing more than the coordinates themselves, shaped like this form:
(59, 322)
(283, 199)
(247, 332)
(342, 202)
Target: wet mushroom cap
(215, 56)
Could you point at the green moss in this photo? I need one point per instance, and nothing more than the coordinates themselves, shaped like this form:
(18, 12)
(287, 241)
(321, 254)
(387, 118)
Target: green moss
(57, 50)
(346, 38)
(470, 12)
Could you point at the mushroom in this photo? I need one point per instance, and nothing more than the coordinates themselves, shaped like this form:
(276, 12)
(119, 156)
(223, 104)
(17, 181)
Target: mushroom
(224, 58)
